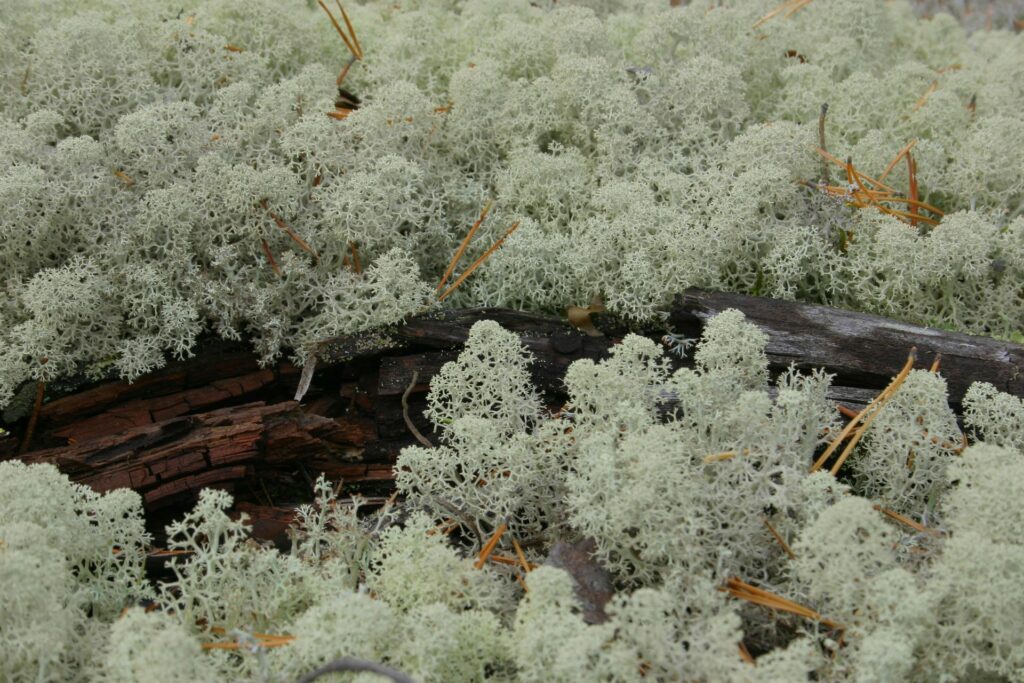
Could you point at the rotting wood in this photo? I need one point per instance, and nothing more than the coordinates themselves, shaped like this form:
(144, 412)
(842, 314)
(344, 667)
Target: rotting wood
(219, 419)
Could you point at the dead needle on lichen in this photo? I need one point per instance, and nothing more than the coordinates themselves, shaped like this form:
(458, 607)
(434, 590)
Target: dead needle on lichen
(758, 596)
(491, 544)
(352, 47)
(864, 419)
(779, 539)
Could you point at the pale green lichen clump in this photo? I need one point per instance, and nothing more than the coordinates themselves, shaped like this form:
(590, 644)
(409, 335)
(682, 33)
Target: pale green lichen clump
(679, 478)
(149, 152)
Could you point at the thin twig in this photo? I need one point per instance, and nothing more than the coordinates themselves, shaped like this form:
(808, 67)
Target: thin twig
(405, 412)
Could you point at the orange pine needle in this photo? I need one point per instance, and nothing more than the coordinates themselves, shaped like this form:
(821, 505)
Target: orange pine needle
(270, 258)
(884, 396)
(462, 247)
(896, 159)
(935, 363)
(916, 526)
(912, 181)
(291, 233)
(491, 544)
(871, 408)
(341, 32)
(344, 71)
(719, 457)
(527, 567)
(233, 48)
(778, 537)
(351, 29)
(483, 257)
(790, 7)
(339, 114)
(355, 258)
(758, 596)
(127, 179)
(745, 654)
(848, 413)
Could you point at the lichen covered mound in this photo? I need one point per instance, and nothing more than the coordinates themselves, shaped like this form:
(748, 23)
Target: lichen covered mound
(709, 530)
(169, 170)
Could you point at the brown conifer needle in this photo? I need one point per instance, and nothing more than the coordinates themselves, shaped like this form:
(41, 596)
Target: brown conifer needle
(291, 233)
(758, 596)
(483, 257)
(906, 521)
(462, 247)
(912, 175)
(871, 408)
(351, 29)
(896, 159)
(341, 32)
(527, 567)
(491, 544)
(779, 539)
(884, 396)
(270, 257)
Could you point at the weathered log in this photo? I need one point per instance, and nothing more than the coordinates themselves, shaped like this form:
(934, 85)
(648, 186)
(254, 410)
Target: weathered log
(862, 350)
(219, 419)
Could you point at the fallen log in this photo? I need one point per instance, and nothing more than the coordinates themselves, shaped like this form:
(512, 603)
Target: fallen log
(221, 420)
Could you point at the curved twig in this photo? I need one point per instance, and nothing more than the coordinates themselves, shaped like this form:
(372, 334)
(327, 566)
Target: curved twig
(405, 412)
(346, 664)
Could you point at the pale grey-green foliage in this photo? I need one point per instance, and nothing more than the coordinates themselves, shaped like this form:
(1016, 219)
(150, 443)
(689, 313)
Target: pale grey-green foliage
(909, 446)
(152, 646)
(491, 377)
(225, 579)
(644, 148)
(102, 538)
(975, 577)
(66, 554)
(415, 566)
(626, 463)
(995, 416)
(645, 490)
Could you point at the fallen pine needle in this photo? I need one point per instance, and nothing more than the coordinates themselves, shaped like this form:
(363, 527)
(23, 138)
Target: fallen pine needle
(870, 411)
(902, 519)
(778, 537)
(462, 247)
(483, 257)
(758, 596)
(491, 544)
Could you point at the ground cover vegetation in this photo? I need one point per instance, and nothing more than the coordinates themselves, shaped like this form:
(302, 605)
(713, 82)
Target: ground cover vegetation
(723, 542)
(168, 170)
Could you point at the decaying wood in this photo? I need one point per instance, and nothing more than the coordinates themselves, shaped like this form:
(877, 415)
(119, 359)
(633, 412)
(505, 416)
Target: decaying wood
(219, 419)
(861, 350)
